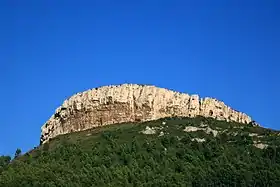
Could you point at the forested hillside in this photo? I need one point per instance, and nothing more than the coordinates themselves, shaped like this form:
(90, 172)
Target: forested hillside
(167, 152)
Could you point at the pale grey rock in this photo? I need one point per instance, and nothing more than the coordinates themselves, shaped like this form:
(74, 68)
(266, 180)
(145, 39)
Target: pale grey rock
(198, 139)
(149, 130)
(131, 103)
(161, 133)
(207, 130)
(253, 134)
(260, 145)
(192, 129)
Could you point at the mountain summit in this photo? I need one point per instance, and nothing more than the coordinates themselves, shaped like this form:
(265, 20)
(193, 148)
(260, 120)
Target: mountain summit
(139, 135)
(131, 103)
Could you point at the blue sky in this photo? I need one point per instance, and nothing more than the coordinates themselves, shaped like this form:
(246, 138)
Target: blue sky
(52, 49)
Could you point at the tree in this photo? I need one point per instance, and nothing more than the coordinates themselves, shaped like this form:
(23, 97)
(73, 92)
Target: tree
(4, 161)
(18, 153)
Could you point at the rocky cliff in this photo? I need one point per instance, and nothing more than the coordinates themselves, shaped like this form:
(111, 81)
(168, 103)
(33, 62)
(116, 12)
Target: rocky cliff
(131, 103)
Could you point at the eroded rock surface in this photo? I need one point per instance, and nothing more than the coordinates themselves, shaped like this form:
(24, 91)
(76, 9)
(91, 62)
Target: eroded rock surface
(131, 103)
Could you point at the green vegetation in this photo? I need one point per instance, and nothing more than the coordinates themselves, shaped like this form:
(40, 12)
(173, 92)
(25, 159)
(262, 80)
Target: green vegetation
(120, 155)
(18, 153)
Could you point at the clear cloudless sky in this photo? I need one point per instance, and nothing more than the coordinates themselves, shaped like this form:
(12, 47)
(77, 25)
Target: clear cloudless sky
(53, 49)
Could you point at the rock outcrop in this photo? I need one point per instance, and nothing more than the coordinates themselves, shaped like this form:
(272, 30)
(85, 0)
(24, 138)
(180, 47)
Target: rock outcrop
(131, 103)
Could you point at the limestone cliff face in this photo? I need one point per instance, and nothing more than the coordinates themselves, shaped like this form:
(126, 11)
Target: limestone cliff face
(131, 103)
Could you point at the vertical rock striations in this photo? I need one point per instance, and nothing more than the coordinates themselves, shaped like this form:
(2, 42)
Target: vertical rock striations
(131, 103)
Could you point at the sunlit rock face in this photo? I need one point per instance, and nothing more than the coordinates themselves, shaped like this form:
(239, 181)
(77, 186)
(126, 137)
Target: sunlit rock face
(131, 103)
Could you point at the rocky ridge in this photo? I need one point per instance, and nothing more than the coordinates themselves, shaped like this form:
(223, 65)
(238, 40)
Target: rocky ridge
(131, 103)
